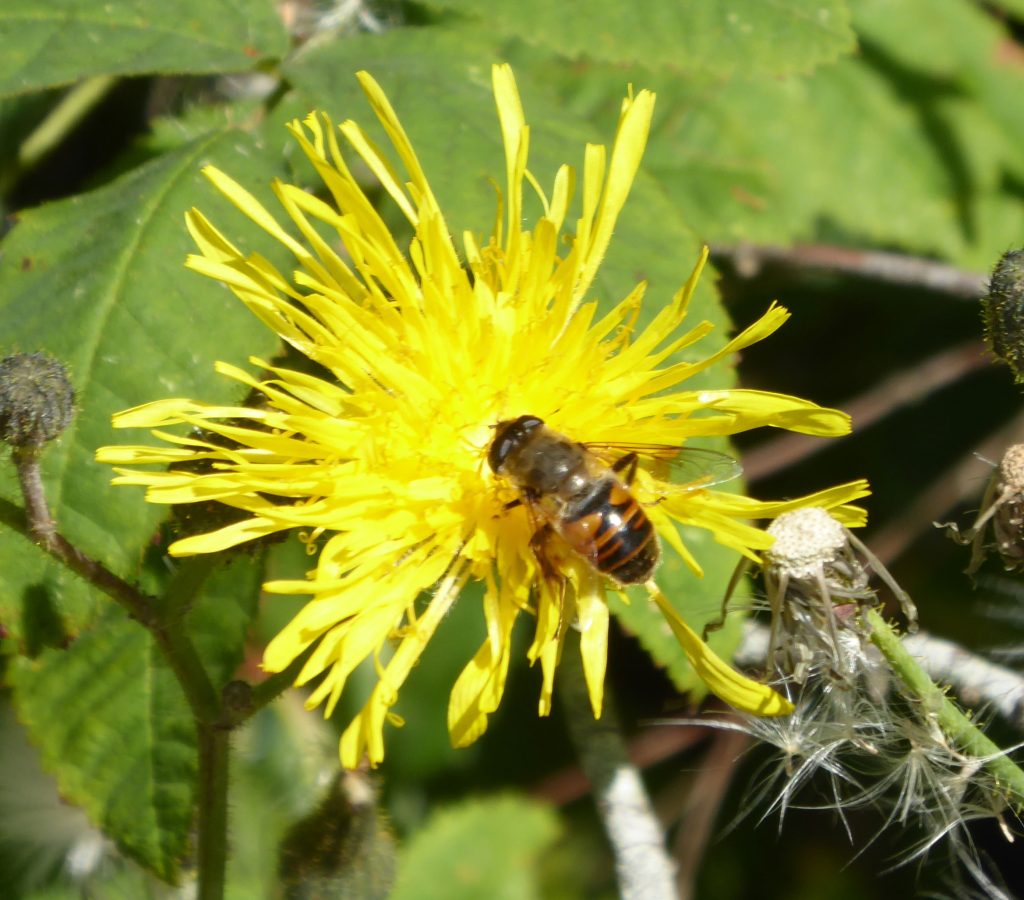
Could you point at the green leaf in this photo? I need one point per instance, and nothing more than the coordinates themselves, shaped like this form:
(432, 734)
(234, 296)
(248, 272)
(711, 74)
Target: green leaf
(113, 727)
(98, 281)
(963, 75)
(784, 160)
(738, 37)
(481, 848)
(912, 144)
(61, 41)
(220, 619)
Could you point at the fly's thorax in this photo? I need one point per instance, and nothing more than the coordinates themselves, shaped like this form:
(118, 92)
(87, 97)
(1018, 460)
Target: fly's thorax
(549, 465)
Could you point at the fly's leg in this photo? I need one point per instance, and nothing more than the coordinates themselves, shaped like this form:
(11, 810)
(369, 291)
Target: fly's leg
(626, 467)
(554, 581)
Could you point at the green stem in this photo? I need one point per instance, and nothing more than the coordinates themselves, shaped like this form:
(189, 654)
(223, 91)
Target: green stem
(951, 719)
(73, 107)
(165, 621)
(212, 815)
(186, 583)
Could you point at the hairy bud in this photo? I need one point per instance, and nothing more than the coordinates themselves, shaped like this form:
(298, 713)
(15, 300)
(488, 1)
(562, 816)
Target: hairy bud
(1003, 312)
(37, 400)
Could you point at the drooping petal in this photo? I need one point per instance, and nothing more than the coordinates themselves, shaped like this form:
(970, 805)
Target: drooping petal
(722, 680)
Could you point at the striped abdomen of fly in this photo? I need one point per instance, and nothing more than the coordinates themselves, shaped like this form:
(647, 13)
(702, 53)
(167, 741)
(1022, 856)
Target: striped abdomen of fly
(610, 529)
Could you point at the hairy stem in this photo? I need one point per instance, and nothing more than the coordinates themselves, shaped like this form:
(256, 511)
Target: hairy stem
(951, 719)
(170, 637)
(642, 864)
(165, 621)
(212, 815)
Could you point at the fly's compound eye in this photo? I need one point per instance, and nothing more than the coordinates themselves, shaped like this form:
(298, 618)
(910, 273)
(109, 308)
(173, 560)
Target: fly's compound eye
(508, 437)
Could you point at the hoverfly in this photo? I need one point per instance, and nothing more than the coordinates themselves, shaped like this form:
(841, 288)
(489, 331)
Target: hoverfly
(576, 491)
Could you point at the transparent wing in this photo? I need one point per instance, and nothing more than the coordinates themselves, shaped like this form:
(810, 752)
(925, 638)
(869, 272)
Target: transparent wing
(684, 468)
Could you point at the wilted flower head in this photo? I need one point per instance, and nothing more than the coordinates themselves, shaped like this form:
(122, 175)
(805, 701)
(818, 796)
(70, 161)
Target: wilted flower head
(816, 573)
(867, 722)
(384, 461)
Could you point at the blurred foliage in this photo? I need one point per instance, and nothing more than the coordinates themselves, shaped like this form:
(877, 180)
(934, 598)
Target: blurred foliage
(869, 124)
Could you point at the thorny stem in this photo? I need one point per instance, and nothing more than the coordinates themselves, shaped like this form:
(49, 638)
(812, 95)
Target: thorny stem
(954, 723)
(642, 864)
(976, 679)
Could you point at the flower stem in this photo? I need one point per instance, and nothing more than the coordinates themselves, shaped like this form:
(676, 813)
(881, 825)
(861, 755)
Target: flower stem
(169, 635)
(642, 864)
(166, 623)
(43, 530)
(76, 104)
(212, 814)
(951, 719)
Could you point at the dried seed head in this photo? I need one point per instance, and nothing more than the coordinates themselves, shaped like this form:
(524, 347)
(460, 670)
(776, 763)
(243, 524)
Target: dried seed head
(806, 541)
(1003, 312)
(1011, 469)
(816, 575)
(1008, 519)
(37, 400)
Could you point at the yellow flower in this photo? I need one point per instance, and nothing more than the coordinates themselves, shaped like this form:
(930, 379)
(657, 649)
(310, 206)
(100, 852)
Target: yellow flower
(385, 464)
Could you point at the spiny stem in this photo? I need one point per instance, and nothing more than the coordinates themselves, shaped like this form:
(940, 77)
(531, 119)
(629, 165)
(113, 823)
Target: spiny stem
(950, 718)
(642, 864)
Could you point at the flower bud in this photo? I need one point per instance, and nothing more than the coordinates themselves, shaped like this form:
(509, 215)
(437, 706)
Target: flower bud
(1003, 312)
(37, 400)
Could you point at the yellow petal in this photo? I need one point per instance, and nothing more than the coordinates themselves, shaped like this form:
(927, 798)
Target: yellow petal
(366, 731)
(592, 624)
(722, 680)
(479, 687)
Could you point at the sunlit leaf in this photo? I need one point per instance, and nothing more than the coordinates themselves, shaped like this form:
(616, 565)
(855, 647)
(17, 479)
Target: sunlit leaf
(61, 41)
(98, 281)
(741, 36)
